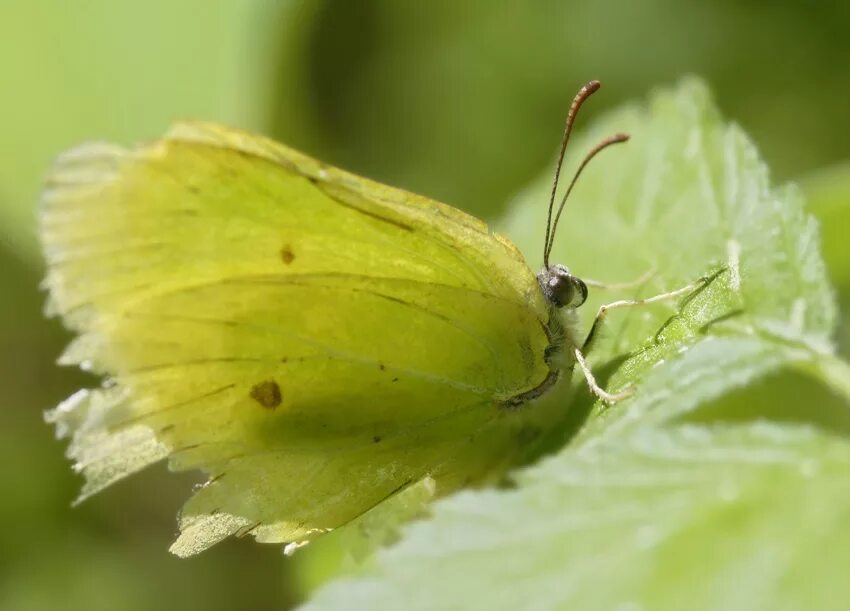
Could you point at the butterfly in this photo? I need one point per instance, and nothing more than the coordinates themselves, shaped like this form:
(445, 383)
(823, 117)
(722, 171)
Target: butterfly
(313, 341)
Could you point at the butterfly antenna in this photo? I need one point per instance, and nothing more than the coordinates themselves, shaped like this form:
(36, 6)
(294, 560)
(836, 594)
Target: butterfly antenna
(584, 93)
(615, 139)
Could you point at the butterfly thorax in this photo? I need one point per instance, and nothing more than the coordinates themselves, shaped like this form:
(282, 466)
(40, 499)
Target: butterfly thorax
(564, 293)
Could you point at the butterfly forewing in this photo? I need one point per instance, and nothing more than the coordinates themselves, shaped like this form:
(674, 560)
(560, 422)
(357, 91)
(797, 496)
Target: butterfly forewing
(312, 340)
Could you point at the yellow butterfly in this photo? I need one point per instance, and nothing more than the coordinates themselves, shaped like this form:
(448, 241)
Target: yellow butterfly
(313, 341)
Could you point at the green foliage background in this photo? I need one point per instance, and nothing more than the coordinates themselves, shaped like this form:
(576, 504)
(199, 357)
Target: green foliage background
(460, 101)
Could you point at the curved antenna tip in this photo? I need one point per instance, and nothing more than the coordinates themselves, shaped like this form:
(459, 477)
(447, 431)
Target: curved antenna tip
(585, 92)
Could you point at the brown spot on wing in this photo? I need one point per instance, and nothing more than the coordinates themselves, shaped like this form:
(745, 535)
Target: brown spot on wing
(286, 254)
(266, 393)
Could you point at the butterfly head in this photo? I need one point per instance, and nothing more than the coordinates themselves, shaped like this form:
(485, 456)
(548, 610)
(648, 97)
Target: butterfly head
(561, 288)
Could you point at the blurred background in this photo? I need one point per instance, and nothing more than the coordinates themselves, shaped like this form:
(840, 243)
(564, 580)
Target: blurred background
(461, 101)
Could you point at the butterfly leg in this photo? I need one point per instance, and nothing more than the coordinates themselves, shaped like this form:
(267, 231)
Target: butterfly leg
(624, 303)
(594, 387)
(627, 303)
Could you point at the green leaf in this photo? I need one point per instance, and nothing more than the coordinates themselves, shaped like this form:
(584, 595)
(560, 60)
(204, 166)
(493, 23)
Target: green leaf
(681, 518)
(696, 493)
(828, 192)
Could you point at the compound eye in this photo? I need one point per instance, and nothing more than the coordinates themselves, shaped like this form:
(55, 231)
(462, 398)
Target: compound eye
(581, 289)
(562, 290)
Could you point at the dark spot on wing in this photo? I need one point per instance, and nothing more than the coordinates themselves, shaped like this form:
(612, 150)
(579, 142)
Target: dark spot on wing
(395, 379)
(376, 439)
(267, 394)
(284, 360)
(286, 254)
(381, 366)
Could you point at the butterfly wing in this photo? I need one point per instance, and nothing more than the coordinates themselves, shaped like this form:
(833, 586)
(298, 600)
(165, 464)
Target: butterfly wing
(312, 340)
